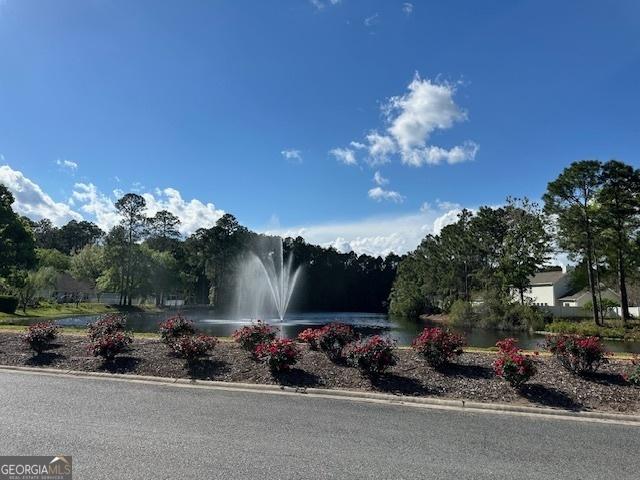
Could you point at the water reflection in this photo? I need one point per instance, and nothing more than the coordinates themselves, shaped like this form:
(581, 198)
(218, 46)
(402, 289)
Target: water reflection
(401, 329)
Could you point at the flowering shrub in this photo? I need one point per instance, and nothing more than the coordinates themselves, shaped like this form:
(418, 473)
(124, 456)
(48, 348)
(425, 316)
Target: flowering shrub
(106, 325)
(40, 335)
(633, 374)
(253, 335)
(576, 353)
(279, 354)
(334, 337)
(373, 355)
(109, 345)
(310, 336)
(438, 346)
(193, 347)
(511, 365)
(174, 328)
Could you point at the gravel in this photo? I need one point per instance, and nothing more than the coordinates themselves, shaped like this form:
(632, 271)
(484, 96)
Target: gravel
(470, 378)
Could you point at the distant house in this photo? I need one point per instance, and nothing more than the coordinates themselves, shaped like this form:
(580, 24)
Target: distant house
(69, 289)
(547, 288)
(581, 298)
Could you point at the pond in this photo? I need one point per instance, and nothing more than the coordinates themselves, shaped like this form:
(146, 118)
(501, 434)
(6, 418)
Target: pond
(401, 330)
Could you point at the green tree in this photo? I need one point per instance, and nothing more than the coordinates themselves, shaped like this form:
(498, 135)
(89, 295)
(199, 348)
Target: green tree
(571, 198)
(88, 265)
(50, 257)
(619, 202)
(527, 244)
(26, 285)
(163, 230)
(17, 246)
(131, 208)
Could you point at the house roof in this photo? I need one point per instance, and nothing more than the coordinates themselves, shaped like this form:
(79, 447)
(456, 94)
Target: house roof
(573, 297)
(546, 278)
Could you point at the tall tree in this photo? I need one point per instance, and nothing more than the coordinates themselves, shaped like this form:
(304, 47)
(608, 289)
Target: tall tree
(619, 202)
(163, 230)
(571, 199)
(17, 246)
(527, 244)
(88, 265)
(131, 208)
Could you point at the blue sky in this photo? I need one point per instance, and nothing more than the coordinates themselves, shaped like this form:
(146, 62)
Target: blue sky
(198, 104)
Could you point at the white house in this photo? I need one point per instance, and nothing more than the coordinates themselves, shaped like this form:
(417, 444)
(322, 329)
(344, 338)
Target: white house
(581, 298)
(547, 288)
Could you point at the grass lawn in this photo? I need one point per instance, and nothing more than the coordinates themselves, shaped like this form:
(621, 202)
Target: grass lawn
(612, 329)
(66, 310)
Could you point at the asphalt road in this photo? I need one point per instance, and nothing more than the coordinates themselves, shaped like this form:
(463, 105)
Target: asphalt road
(118, 430)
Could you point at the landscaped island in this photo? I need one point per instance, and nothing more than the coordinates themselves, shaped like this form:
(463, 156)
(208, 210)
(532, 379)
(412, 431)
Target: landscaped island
(576, 377)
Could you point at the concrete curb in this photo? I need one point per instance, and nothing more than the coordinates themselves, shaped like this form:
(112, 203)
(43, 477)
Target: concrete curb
(353, 395)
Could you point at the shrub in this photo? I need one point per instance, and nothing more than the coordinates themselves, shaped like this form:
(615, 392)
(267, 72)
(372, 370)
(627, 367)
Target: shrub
(310, 336)
(334, 337)
(461, 313)
(438, 346)
(511, 365)
(633, 374)
(8, 304)
(374, 355)
(576, 353)
(193, 347)
(40, 335)
(279, 354)
(108, 345)
(106, 325)
(253, 335)
(174, 328)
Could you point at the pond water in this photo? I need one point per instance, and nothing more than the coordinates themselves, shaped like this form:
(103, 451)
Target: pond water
(401, 330)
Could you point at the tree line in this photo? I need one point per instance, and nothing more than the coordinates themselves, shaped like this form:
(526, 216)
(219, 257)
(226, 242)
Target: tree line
(146, 257)
(591, 212)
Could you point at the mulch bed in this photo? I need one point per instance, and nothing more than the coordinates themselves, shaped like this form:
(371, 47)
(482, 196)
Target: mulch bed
(471, 378)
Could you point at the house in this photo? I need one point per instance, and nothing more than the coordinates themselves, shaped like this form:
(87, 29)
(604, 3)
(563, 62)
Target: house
(581, 298)
(546, 288)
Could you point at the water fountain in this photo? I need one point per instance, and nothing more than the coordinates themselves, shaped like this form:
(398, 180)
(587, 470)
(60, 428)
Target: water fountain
(266, 282)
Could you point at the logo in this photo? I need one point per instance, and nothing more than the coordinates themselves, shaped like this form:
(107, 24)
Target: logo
(35, 468)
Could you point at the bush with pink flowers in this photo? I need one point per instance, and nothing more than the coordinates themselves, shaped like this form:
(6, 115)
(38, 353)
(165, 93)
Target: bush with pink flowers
(106, 325)
(280, 355)
(251, 336)
(109, 345)
(40, 335)
(193, 347)
(175, 328)
(438, 345)
(576, 353)
(373, 356)
(512, 365)
(310, 336)
(334, 337)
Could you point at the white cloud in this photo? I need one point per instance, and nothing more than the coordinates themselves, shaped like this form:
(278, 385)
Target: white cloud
(372, 20)
(344, 155)
(321, 4)
(407, 8)
(379, 179)
(380, 147)
(32, 201)
(193, 214)
(377, 235)
(411, 119)
(68, 164)
(98, 206)
(292, 155)
(378, 194)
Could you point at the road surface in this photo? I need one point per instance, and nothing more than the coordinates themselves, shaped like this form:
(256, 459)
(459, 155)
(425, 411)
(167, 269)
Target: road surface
(122, 430)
